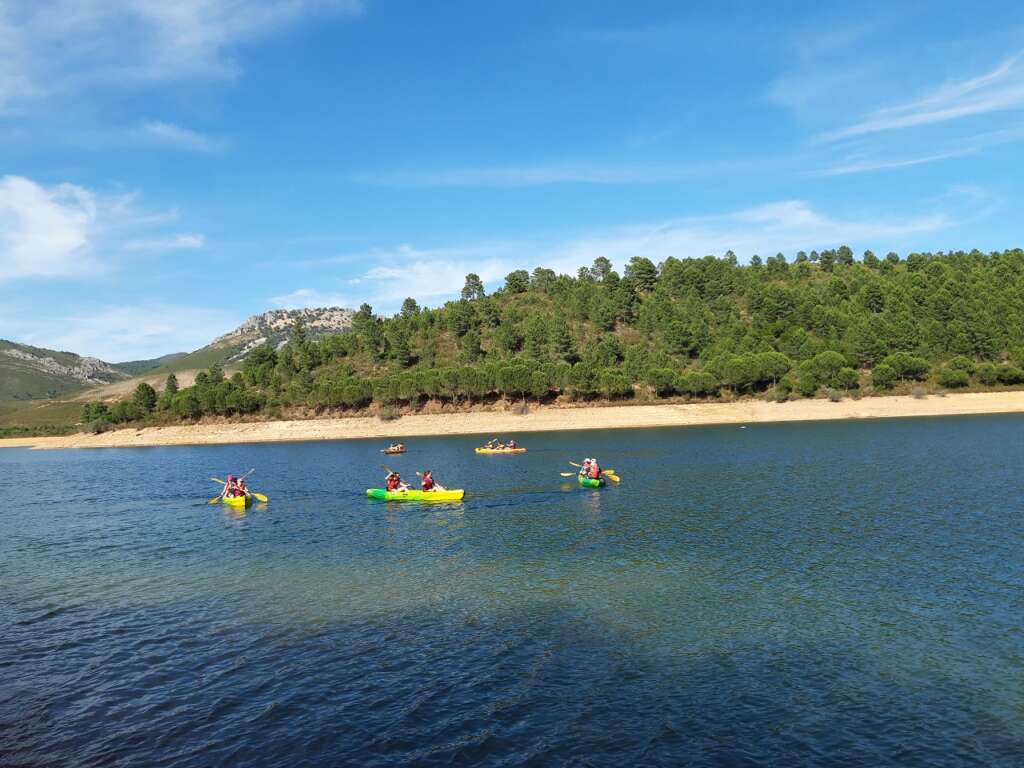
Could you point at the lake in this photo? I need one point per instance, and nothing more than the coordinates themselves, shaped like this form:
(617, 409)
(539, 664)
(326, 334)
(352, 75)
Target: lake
(845, 593)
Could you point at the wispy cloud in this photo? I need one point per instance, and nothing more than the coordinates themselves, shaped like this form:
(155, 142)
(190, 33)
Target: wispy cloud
(310, 298)
(965, 147)
(806, 89)
(864, 165)
(531, 176)
(1001, 89)
(118, 333)
(176, 136)
(179, 242)
(437, 274)
(54, 47)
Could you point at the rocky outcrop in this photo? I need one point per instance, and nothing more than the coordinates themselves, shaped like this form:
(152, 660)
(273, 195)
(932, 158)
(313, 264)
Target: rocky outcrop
(88, 370)
(275, 328)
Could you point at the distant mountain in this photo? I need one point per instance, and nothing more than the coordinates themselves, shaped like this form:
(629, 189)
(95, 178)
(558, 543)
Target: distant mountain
(142, 367)
(274, 328)
(32, 373)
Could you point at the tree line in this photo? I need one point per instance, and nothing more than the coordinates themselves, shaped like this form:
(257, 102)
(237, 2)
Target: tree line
(701, 328)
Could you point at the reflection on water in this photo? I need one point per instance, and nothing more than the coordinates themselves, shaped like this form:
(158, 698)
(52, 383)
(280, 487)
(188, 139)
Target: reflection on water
(844, 594)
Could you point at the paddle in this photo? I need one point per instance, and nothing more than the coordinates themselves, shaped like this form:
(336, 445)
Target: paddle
(604, 471)
(390, 471)
(258, 496)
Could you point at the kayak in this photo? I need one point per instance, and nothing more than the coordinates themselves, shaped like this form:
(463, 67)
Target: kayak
(413, 495)
(237, 502)
(500, 450)
(586, 482)
(389, 452)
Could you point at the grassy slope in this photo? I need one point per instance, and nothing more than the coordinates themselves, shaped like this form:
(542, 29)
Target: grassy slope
(201, 358)
(19, 380)
(140, 367)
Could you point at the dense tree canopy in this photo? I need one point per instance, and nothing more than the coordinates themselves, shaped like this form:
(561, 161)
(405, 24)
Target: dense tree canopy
(696, 327)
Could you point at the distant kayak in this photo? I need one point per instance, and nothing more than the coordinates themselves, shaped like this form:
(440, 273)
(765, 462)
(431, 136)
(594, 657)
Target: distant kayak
(414, 495)
(392, 452)
(586, 482)
(237, 502)
(500, 450)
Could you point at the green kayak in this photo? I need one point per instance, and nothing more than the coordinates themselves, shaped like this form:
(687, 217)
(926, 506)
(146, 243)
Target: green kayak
(414, 495)
(586, 482)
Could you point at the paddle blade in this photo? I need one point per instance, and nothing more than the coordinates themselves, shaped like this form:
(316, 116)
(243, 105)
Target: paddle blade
(575, 464)
(567, 474)
(613, 478)
(607, 471)
(214, 500)
(260, 496)
(218, 480)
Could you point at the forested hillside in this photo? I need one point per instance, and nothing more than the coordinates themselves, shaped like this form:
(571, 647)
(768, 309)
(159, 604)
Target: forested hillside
(826, 323)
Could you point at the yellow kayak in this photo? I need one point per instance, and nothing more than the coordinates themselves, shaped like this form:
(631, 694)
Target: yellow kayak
(237, 502)
(500, 450)
(414, 495)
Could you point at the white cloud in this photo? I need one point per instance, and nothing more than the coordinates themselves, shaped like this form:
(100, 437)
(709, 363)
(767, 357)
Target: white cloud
(810, 86)
(309, 298)
(530, 176)
(171, 135)
(120, 333)
(437, 274)
(64, 45)
(999, 90)
(65, 230)
(44, 231)
(783, 226)
(965, 147)
(178, 242)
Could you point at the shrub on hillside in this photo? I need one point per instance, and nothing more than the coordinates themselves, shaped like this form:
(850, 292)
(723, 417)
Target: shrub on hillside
(987, 374)
(953, 379)
(883, 377)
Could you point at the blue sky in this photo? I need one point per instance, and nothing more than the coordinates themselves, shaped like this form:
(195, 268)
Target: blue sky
(170, 168)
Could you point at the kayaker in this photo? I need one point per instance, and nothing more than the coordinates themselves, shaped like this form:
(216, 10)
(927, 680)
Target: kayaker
(231, 487)
(393, 482)
(427, 482)
(492, 444)
(585, 468)
(594, 473)
(241, 487)
(512, 444)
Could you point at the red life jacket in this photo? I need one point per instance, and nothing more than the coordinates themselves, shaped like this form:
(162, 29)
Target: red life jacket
(428, 483)
(392, 483)
(595, 472)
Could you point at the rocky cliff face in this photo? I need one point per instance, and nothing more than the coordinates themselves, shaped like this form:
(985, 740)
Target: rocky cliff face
(88, 370)
(275, 327)
(28, 373)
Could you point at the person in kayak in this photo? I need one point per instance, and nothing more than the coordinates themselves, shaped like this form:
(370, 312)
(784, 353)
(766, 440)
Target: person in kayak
(491, 444)
(427, 482)
(512, 444)
(393, 482)
(594, 471)
(231, 487)
(585, 468)
(241, 488)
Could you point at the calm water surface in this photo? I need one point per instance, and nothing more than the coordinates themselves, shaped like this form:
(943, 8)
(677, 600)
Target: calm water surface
(826, 594)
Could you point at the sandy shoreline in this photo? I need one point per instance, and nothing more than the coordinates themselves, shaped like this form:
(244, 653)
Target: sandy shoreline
(540, 420)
